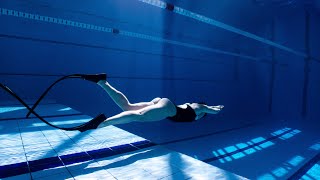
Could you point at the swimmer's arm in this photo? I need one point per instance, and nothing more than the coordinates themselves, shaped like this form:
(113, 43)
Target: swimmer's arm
(211, 109)
(200, 115)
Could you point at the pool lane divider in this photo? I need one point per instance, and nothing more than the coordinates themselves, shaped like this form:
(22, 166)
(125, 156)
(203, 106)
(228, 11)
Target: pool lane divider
(201, 18)
(63, 160)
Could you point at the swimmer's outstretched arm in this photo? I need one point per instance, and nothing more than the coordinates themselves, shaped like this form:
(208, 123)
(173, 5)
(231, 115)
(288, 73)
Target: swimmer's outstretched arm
(211, 109)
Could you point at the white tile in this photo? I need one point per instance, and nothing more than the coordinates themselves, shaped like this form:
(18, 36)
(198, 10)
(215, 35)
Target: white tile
(68, 150)
(35, 141)
(119, 170)
(89, 147)
(52, 137)
(10, 144)
(53, 131)
(13, 159)
(92, 173)
(67, 143)
(164, 172)
(85, 141)
(136, 175)
(37, 147)
(205, 171)
(12, 136)
(12, 150)
(179, 175)
(36, 155)
(73, 134)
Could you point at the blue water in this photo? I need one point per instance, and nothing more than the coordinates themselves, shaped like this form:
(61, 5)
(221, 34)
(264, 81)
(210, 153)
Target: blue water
(259, 59)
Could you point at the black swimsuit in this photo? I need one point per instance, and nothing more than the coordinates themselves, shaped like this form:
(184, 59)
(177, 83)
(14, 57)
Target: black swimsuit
(184, 115)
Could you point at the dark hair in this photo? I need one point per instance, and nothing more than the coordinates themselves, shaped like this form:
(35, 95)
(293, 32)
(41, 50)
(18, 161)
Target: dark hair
(203, 103)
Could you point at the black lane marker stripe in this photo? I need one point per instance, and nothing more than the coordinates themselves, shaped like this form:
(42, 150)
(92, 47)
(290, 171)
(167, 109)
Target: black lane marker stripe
(169, 7)
(305, 168)
(245, 148)
(49, 116)
(13, 169)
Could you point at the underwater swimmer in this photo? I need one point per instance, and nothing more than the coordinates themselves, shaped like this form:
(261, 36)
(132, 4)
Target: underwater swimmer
(155, 110)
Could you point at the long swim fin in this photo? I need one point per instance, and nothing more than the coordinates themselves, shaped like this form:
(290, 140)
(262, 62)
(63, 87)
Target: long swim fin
(94, 77)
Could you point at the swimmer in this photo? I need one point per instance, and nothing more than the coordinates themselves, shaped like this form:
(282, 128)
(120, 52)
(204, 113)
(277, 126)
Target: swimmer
(155, 110)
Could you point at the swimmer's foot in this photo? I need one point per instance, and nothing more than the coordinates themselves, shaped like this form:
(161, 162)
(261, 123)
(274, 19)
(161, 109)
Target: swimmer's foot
(94, 77)
(93, 124)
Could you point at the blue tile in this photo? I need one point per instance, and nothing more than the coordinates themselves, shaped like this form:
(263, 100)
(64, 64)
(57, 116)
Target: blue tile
(13, 170)
(44, 161)
(75, 158)
(123, 148)
(143, 144)
(17, 165)
(101, 153)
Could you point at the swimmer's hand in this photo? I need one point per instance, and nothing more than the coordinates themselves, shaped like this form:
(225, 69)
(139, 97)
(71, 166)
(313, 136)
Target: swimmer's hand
(218, 108)
(213, 109)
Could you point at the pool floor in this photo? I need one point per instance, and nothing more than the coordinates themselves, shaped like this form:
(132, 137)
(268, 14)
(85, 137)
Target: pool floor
(30, 149)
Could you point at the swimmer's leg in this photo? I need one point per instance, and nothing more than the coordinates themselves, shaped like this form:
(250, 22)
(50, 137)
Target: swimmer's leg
(121, 100)
(157, 112)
